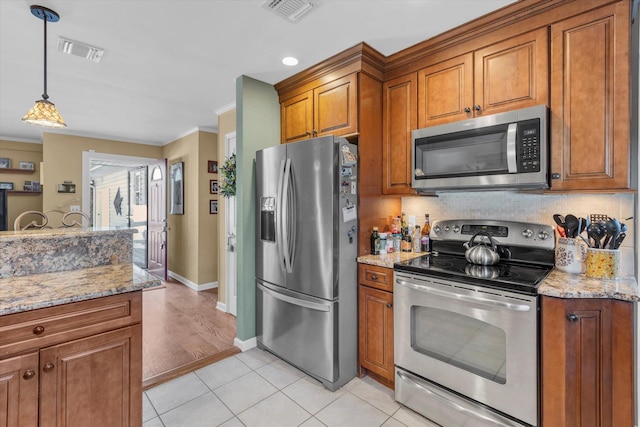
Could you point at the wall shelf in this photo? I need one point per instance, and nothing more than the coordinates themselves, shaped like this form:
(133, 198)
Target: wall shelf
(13, 170)
(23, 192)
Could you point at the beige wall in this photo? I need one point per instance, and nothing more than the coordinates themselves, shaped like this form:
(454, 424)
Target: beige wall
(62, 158)
(226, 124)
(21, 152)
(192, 237)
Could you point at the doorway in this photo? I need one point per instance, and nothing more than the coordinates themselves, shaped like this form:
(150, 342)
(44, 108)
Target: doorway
(115, 195)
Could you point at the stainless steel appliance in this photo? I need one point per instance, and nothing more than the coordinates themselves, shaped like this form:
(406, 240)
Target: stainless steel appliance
(506, 150)
(466, 335)
(306, 294)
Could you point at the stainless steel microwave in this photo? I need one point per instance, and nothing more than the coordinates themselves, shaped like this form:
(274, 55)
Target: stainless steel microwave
(499, 151)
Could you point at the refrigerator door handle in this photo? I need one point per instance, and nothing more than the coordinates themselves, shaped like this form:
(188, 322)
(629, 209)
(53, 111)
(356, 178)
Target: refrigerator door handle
(295, 301)
(280, 208)
(287, 217)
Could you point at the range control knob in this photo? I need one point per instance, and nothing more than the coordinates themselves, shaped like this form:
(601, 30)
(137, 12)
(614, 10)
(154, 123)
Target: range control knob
(543, 235)
(456, 228)
(436, 229)
(527, 233)
(447, 228)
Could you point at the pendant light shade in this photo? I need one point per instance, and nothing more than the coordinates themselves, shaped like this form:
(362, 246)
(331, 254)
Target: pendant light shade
(44, 113)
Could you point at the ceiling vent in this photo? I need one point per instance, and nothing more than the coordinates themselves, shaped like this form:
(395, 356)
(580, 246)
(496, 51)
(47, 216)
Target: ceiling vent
(83, 50)
(291, 10)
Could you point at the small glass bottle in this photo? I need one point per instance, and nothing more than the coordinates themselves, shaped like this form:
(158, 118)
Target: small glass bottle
(405, 243)
(416, 240)
(375, 242)
(424, 238)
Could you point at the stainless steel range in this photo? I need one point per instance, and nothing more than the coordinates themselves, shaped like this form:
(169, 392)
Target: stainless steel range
(466, 335)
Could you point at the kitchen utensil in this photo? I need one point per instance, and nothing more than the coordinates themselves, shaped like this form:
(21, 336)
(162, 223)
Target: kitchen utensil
(480, 253)
(561, 231)
(595, 232)
(612, 230)
(572, 225)
(599, 217)
(618, 241)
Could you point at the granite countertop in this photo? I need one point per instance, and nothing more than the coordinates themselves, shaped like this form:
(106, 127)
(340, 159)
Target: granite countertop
(24, 293)
(556, 284)
(387, 260)
(48, 233)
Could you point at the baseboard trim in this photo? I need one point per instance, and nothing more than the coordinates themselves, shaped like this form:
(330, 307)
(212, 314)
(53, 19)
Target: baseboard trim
(221, 306)
(190, 284)
(246, 344)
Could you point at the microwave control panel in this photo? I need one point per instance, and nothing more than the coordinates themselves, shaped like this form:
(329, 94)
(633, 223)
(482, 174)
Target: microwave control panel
(529, 146)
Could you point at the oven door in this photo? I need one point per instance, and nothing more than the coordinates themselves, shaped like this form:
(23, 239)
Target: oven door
(479, 342)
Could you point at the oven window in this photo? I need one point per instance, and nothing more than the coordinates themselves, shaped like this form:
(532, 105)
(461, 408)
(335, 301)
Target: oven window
(461, 341)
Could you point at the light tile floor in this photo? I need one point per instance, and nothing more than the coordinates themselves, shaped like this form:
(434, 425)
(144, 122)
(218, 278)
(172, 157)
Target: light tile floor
(255, 388)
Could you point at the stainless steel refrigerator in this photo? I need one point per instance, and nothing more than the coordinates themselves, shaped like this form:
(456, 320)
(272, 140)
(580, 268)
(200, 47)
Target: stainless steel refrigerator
(306, 248)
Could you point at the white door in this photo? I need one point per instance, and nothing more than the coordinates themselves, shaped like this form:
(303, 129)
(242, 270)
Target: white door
(230, 234)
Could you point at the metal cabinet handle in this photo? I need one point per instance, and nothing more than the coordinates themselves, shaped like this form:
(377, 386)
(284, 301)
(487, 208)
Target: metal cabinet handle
(467, 109)
(572, 317)
(38, 330)
(389, 305)
(48, 367)
(374, 277)
(477, 107)
(29, 374)
(308, 133)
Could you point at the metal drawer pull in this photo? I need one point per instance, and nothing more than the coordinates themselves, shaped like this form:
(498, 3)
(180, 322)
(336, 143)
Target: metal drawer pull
(389, 305)
(38, 330)
(29, 374)
(374, 277)
(465, 298)
(572, 317)
(48, 367)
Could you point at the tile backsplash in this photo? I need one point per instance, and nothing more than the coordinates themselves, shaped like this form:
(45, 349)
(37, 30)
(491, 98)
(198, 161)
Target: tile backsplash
(537, 208)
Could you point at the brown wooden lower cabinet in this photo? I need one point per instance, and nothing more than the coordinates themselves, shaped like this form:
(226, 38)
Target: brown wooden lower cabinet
(93, 380)
(587, 362)
(375, 328)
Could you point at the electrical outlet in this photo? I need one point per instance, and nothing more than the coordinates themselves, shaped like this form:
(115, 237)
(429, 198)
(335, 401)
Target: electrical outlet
(74, 208)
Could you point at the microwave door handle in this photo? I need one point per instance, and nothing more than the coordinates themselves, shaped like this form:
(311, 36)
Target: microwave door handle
(512, 163)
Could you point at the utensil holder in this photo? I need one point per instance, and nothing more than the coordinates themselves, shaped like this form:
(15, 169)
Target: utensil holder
(570, 255)
(603, 263)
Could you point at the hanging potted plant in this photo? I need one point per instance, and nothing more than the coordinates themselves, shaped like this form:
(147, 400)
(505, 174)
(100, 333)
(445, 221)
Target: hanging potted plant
(228, 175)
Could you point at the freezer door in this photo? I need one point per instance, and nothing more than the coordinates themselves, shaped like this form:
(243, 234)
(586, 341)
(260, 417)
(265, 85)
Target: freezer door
(299, 329)
(312, 190)
(270, 265)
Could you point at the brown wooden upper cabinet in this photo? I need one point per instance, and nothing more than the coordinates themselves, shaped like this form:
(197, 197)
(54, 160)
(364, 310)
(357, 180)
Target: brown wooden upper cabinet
(399, 118)
(590, 124)
(328, 109)
(507, 75)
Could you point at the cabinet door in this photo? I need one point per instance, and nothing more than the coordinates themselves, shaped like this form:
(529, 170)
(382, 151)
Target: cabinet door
(375, 341)
(94, 381)
(335, 107)
(587, 362)
(512, 74)
(590, 101)
(445, 91)
(400, 117)
(296, 116)
(19, 391)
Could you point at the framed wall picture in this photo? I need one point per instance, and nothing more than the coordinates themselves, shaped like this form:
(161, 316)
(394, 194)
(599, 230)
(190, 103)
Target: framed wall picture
(212, 166)
(176, 188)
(213, 186)
(6, 185)
(5, 163)
(213, 206)
(66, 187)
(27, 165)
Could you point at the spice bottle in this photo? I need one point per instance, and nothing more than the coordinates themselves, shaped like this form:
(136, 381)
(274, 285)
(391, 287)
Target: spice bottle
(375, 242)
(424, 238)
(405, 243)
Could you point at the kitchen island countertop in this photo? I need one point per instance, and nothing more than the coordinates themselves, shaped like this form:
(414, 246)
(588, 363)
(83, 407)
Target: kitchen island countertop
(24, 293)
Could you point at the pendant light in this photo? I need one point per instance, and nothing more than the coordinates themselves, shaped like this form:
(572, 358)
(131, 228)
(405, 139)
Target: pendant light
(44, 113)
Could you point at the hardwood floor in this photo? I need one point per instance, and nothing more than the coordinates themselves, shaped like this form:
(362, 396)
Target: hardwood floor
(182, 331)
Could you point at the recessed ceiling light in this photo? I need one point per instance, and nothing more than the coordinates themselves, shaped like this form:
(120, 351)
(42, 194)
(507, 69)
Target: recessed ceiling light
(290, 61)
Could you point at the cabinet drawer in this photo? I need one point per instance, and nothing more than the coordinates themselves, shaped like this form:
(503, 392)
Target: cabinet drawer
(53, 325)
(376, 277)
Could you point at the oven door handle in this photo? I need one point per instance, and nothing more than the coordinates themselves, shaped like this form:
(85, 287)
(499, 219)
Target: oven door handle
(466, 298)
